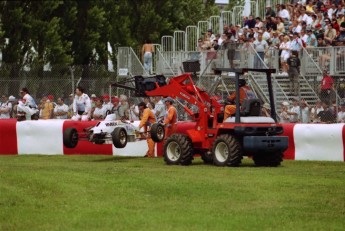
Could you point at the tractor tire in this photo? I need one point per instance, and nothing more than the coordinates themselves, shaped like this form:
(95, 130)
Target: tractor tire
(206, 157)
(178, 149)
(269, 159)
(227, 151)
(157, 132)
(119, 137)
(70, 137)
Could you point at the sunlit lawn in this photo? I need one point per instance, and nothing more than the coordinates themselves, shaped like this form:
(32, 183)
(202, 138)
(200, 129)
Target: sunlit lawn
(113, 193)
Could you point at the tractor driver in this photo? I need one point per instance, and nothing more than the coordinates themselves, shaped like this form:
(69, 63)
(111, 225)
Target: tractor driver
(170, 118)
(147, 118)
(245, 93)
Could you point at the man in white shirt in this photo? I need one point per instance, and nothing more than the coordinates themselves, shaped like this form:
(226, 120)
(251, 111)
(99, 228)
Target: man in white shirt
(61, 109)
(107, 104)
(294, 112)
(27, 104)
(5, 108)
(100, 111)
(81, 105)
(159, 108)
(260, 47)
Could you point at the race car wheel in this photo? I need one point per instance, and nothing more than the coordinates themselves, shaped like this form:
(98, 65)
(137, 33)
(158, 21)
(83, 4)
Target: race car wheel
(70, 137)
(178, 149)
(227, 151)
(268, 159)
(119, 136)
(157, 132)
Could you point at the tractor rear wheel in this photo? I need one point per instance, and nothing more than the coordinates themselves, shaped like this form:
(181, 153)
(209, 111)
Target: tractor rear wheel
(157, 132)
(178, 149)
(70, 137)
(269, 159)
(119, 137)
(227, 151)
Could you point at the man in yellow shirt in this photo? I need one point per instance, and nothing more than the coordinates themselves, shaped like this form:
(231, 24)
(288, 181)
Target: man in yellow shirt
(47, 109)
(147, 118)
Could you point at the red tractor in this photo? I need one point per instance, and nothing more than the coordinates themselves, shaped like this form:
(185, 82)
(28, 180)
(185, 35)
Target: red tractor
(223, 143)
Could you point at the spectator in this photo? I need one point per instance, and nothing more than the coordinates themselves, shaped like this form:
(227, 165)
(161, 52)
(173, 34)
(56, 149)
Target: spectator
(115, 108)
(326, 87)
(106, 103)
(285, 54)
(330, 33)
(14, 103)
(147, 52)
(311, 39)
(269, 11)
(159, 108)
(210, 35)
(260, 47)
(266, 110)
(296, 43)
(5, 108)
(133, 110)
(100, 111)
(46, 109)
(123, 108)
(305, 115)
(81, 105)
(250, 22)
(27, 105)
(294, 111)
(284, 116)
(61, 109)
(294, 64)
(284, 13)
(315, 111)
(280, 25)
(341, 114)
(326, 116)
(258, 22)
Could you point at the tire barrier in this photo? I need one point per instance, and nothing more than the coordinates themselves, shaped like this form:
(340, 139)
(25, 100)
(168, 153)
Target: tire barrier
(44, 137)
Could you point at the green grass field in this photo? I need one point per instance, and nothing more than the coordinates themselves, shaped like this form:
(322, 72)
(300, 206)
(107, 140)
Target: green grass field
(113, 193)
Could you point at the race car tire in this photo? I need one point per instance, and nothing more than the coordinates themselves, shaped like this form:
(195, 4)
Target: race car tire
(157, 132)
(227, 151)
(119, 137)
(178, 149)
(70, 137)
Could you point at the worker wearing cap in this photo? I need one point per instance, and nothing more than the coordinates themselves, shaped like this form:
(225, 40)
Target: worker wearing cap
(245, 93)
(170, 118)
(147, 118)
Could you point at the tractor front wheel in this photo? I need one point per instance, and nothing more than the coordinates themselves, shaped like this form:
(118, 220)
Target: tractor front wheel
(227, 151)
(178, 149)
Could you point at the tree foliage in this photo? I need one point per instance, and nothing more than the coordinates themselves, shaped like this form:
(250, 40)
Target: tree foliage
(77, 32)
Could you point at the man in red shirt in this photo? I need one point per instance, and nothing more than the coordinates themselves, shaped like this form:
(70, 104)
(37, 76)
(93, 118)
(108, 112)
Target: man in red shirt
(326, 88)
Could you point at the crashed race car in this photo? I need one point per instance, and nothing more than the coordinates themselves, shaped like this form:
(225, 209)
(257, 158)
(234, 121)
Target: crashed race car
(111, 131)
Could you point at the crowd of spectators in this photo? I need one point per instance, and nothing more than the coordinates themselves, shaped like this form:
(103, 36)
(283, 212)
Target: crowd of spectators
(290, 27)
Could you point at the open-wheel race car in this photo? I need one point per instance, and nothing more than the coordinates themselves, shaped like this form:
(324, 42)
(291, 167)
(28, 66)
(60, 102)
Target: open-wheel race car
(109, 131)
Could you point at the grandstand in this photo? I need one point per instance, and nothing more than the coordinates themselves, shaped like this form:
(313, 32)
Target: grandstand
(182, 46)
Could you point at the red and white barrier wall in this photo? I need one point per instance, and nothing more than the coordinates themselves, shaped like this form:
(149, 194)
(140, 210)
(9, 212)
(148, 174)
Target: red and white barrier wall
(306, 141)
